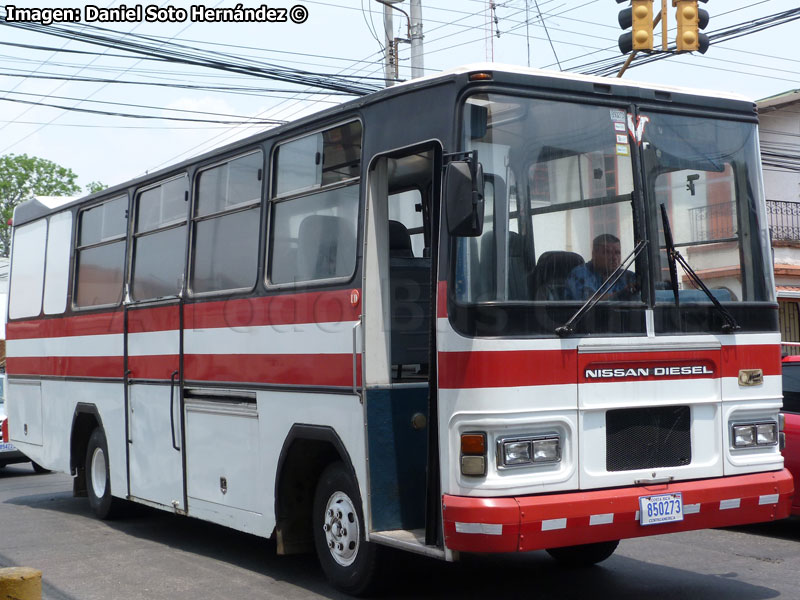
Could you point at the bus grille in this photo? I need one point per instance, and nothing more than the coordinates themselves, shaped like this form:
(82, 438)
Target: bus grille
(647, 438)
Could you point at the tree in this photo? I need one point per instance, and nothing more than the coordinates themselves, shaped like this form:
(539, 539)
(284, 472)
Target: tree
(95, 186)
(21, 178)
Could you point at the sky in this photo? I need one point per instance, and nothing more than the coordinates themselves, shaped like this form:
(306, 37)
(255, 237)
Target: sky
(338, 37)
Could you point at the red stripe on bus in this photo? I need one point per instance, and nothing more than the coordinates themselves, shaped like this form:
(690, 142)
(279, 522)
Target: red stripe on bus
(507, 368)
(766, 357)
(292, 369)
(94, 324)
(289, 309)
(441, 300)
(516, 368)
(153, 367)
(63, 366)
(160, 318)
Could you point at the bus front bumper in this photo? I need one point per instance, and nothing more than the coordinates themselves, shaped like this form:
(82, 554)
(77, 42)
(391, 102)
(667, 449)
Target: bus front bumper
(525, 523)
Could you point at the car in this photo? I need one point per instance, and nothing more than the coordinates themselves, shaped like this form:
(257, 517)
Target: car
(9, 455)
(791, 410)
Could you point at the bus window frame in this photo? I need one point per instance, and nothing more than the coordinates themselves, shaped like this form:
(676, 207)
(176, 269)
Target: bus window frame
(40, 313)
(271, 199)
(76, 248)
(133, 216)
(193, 219)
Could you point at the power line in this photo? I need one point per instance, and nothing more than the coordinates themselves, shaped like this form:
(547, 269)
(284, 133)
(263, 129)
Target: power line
(181, 110)
(135, 116)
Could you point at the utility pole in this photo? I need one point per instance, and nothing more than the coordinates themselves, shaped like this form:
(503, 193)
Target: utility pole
(390, 58)
(417, 57)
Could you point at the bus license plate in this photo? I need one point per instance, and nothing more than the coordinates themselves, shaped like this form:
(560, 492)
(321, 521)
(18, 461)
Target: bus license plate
(5, 447)
(660, 509)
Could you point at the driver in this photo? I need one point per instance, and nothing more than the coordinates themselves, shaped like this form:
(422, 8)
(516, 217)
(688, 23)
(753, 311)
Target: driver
(584, 280)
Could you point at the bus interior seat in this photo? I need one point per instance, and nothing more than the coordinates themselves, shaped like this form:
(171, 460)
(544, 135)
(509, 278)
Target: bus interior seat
(399, 241)
(326, 247)
(520, 268)
(410, 285)
(552, 272)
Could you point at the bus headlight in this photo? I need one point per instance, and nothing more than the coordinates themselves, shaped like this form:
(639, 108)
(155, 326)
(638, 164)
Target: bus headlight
(749, 435)
(522, 451)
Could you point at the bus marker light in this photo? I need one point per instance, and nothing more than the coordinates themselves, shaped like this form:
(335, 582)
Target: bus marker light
(480, 77)
(473, 443)
(473, 465)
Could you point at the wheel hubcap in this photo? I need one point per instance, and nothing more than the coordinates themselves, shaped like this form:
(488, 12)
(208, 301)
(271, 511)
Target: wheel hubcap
(341, 528)
(98, 472)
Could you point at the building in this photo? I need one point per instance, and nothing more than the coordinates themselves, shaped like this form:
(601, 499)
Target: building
(779, 131)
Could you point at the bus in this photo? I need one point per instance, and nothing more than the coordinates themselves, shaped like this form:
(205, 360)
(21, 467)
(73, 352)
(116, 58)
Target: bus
(492, 310)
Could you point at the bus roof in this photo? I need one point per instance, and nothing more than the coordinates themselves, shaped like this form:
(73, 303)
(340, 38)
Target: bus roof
(516, 69)
(511, 74)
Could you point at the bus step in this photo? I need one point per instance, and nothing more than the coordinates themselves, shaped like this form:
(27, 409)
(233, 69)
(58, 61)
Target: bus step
(412, 540)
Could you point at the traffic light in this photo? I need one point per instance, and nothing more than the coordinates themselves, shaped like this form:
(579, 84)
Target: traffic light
(691, 20)
(639, 17)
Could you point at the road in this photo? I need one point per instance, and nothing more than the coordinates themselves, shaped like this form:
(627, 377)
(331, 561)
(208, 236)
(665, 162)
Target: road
(161, 556)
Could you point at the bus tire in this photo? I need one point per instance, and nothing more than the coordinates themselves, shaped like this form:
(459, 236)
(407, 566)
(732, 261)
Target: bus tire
(584, 555)
(39, 469)
(98, 477)
(349, 562)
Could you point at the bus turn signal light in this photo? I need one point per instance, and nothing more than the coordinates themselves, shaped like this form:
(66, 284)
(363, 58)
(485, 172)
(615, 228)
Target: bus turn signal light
(473, 454)
(473, 443)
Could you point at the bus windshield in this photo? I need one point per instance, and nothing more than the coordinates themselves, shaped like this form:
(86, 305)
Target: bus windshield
(705, 172)
(561, 213)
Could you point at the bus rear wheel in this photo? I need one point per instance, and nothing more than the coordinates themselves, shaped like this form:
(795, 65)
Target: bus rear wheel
(348, 560)
(98, 477)
(584, 555)
(39, 469)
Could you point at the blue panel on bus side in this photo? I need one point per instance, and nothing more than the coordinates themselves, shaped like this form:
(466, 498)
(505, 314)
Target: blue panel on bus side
(397, 458)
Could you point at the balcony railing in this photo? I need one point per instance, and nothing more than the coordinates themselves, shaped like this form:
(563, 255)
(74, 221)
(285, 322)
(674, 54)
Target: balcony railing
(784, 220)
(717, 221)
(713, 222)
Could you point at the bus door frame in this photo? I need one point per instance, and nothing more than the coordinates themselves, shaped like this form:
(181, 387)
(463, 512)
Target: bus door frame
(169, 490)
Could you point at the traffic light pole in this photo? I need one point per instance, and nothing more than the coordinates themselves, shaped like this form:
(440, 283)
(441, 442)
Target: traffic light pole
(632, 55)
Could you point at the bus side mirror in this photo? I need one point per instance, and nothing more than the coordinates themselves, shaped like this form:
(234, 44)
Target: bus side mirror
(463, 198)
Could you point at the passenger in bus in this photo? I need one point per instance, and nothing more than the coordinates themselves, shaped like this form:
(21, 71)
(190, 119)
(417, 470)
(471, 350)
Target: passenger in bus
(584, 280)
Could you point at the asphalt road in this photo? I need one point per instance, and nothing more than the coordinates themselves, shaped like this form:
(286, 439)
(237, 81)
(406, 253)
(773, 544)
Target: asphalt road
(161, 556)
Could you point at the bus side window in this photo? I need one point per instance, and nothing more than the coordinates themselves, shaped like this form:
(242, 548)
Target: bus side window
(27, 270)
(315, 236)
(226, 224)
(56, 279)
(100, 253)
(159, 240)
(314, 206)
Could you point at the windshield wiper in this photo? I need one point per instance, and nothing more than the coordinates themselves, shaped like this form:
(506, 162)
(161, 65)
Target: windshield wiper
(673, 257)
(568, 327)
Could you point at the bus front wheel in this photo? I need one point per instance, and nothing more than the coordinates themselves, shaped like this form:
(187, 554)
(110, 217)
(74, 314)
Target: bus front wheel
(349, 562)
(584, 555)
(98, 479)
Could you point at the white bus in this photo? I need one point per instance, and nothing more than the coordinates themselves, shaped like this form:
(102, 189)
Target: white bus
(492, 310)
